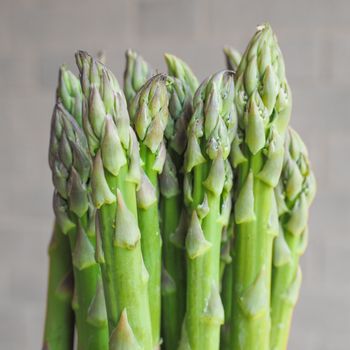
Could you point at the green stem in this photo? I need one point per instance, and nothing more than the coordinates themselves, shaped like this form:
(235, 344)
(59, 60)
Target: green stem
(284, 283)
(226, 295)
(107, 222)
(59, 321)
(89, 320)
(203, 327)
(151, 244)
(173, 304)
(133, 296)
(252, 276)
(211, 263)
(125, 275)
(194, 304)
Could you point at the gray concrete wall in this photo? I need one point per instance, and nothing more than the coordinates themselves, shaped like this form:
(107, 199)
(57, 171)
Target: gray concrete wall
(38, 35)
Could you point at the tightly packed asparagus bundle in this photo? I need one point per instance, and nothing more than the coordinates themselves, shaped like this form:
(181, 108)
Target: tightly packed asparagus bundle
(180, 208)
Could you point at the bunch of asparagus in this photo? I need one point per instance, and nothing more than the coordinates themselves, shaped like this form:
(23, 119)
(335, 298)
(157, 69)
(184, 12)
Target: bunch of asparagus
(180, 209)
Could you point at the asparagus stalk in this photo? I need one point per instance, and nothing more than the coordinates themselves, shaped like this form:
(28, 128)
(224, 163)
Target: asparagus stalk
(226, 271)
(173, 215)
(115, 176)
(263, 102)
(295, 193)
(233, 58)
(207, 187)
(59, 321)
(137, 72)
(149, 113)
(70, 164)
(226, 244)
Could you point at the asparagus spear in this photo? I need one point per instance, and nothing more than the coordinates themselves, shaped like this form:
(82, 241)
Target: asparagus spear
(173, 215)
(149, 114)
(179, 69)
(233, 58)
(207, 187)
(115, 175)
(295, 193)
(70, 165)
(137, 72)
(59, 321)
(101, 56)
(226, 271)
(263, 102)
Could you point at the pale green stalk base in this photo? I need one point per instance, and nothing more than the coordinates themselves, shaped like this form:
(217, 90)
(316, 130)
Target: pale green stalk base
(281, 307)
(226, 296)
(106, 216)
(211, 263)
(252, 256)
(173, 304)
(59, 321)
(195, 302)
(86, 281)
(124, 276)
(203, 271)
(151, 243)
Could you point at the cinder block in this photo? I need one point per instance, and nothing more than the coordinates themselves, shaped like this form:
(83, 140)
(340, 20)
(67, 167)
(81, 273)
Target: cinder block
(10, 322)
(302, 53)
(319, 154)
(338, 167)
(166, 18)
(47, 68)
(320, 106)
(318, 314)
(17, 74)
(5, 29)
(34, 316)
(68, 24)
(337, 260)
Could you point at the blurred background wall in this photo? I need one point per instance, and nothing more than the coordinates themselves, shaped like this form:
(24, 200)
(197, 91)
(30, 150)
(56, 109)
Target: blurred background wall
(36, 36)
